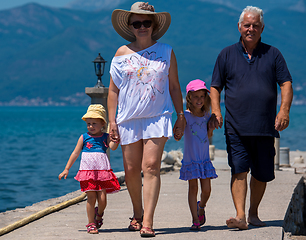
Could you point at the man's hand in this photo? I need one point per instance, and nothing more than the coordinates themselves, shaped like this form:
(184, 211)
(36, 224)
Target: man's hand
(281, 121)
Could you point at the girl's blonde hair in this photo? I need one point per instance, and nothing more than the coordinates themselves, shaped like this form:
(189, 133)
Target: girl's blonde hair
(207, 102)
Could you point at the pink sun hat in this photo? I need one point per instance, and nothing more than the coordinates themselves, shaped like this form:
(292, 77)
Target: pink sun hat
(196, 85)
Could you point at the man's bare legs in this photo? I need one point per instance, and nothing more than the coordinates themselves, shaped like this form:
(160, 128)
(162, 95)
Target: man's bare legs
(239, 191)
(257, 191)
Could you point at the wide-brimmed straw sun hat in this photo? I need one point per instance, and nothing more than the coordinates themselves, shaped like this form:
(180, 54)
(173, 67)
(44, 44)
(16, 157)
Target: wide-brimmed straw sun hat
(196, 85)
(120, 20)
(95, 111)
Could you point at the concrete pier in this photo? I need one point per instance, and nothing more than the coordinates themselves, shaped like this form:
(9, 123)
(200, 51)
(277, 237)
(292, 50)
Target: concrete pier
(172, 217)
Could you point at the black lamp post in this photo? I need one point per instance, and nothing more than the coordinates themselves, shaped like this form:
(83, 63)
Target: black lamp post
(99, 69)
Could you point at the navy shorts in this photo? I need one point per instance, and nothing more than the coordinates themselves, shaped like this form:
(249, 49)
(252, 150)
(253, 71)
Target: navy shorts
(255, 153)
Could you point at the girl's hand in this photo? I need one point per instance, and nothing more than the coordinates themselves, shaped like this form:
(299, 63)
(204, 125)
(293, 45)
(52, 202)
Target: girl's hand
(63, 174)
(113, 133)
(112, 145)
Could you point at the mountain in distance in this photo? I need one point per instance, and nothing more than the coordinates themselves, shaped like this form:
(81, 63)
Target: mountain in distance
(296, 5)
(94, 5)
(47, 53)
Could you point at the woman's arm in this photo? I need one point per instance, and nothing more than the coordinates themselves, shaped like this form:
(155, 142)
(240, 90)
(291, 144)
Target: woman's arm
(112, 102)
(177, 99)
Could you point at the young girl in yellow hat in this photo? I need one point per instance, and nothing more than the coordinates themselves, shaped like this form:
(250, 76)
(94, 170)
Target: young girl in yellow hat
(95, 174)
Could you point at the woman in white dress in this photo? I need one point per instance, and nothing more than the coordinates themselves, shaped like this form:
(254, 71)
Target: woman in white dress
(143, 82)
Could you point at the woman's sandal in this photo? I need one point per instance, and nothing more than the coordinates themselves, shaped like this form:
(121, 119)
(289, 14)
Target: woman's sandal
(98, 223)
(135, 224)
(202, 218)
(91, 228)
(195, 227)
(147, 232)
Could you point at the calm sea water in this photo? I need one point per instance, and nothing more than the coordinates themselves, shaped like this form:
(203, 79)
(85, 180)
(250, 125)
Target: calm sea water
(36, 143)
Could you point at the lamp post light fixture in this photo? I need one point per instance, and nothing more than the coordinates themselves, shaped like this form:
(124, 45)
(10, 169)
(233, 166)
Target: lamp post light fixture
(99, 63)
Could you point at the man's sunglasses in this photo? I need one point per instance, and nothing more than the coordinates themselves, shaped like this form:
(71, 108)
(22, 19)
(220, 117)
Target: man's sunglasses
(145, 23)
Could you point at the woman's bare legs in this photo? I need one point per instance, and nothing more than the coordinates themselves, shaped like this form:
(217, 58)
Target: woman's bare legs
(152, 154)
(132, 158)
(143, 155)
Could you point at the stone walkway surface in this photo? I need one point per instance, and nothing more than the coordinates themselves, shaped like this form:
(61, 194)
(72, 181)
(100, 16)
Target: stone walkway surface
(172, 216)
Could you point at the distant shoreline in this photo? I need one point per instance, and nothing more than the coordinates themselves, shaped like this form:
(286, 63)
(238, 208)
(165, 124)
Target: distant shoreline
(78, 99)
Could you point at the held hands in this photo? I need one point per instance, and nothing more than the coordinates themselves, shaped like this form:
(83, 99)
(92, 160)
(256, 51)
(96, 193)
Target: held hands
(179, 127)
(63, 174)
(213, 122)
(113, 132)
(281, 121)
(218, 122)
(178, 133)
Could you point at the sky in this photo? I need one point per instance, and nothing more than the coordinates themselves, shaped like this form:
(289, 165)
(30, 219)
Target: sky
(7, 4)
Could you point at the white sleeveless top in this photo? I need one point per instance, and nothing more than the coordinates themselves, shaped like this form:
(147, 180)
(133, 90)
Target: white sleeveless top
(143, 82)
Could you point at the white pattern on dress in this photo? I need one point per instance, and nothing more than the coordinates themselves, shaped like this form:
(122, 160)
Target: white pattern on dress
(94, 161)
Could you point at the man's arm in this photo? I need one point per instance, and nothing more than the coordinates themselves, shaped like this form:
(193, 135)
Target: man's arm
(215, 105)
(282, 118)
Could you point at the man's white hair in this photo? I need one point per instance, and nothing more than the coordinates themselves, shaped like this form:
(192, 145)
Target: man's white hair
(254, 10)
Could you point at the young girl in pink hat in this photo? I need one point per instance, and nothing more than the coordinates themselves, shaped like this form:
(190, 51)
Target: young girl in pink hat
(95, 174)
(196, 163)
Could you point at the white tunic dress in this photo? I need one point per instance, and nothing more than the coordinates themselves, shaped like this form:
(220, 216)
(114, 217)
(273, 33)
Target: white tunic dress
(144, 101)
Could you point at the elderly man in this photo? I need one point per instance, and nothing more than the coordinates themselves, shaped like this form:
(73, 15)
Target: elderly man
(249, 71)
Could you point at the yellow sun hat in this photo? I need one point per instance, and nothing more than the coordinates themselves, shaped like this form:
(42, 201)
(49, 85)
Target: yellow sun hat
(95, 111)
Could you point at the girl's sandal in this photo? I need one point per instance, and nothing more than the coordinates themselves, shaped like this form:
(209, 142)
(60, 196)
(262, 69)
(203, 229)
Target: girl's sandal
(91, 228)
(195, 227)
(202, 218)
(135, 224)
(98, 223)
(147, 232)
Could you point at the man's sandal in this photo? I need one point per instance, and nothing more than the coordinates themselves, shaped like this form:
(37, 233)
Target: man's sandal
(202, 218)
(91, 228)
(135, 224)
(98, 223)
(147, 232)
(195, 227)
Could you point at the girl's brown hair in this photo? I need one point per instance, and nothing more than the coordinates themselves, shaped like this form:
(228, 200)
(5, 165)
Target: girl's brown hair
(207, 102)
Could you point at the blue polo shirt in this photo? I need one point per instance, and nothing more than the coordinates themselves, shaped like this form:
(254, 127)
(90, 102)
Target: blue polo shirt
(250, 88)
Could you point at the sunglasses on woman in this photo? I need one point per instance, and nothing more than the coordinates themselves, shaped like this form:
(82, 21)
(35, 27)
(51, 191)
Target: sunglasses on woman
(138, 24)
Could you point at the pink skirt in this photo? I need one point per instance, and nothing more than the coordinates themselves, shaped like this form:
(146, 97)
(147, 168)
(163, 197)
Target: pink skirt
(97, 180)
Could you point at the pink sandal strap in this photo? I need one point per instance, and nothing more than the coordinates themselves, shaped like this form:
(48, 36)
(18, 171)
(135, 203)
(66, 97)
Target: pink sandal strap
(97, 213)
(92, 227)
(98, 223)
(195, 226)
(135, 224)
